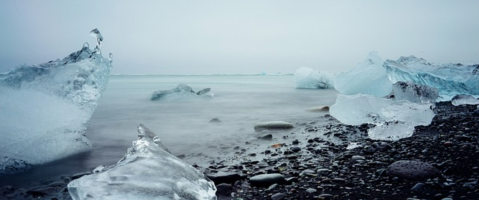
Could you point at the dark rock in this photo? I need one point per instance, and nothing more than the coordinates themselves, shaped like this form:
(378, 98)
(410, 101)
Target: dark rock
(40, 192)
(272, 125)
(266, 137)
(224, 189)
(411, 169)
(476, 112)
(215, 120)
(295, 149)
(266, 180)
(278, 196)
(418, 186)
(223, 177)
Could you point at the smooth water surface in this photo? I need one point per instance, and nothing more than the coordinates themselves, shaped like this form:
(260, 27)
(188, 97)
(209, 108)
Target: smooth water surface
(183, 122)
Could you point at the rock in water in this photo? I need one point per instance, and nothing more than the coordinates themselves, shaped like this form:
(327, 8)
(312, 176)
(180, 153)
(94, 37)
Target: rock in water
(272, 125)
(463, 99)
(414, 92)
(449, 79)
(368, 77)
(148, 171)
(45, 109)
(307, 78)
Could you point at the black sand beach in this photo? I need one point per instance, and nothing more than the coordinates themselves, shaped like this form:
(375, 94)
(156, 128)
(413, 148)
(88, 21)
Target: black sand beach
(440, 161)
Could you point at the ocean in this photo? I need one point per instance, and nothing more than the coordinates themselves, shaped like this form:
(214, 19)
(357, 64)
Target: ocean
(184, 122)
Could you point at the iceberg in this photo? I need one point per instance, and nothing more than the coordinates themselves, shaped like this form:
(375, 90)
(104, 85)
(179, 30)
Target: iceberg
(180, 91)
(368, 77)
(307, 78)
(45, 109)
(392, 119)
(449, 79)
(148, 171)
(464, 100)
(414, 92)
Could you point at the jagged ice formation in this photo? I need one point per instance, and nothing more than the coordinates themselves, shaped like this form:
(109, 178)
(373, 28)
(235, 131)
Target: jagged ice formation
(147, 171)
(45, 109)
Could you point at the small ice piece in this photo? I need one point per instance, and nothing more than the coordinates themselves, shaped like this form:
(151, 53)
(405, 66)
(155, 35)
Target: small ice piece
(449, 79)
(414, 92)
(353, 145)
(463, 99)
(307, 78)
(99, 38)
(110, 57)
(368, 77)
(147, 171)
(86, 45)
(182, 90)
(393, 119)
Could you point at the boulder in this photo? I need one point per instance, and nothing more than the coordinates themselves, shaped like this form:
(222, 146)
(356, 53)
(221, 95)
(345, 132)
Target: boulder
(412, 170)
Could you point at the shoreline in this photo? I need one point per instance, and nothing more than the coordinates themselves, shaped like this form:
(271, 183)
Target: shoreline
(319, 169)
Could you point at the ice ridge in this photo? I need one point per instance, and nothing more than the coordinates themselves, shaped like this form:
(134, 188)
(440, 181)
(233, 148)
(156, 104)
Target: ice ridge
(449, 79)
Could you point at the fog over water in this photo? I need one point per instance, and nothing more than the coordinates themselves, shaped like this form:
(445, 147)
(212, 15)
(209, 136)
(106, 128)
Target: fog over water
(239, 37)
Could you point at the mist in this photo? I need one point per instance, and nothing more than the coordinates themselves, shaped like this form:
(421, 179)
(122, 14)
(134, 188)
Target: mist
(239, 37)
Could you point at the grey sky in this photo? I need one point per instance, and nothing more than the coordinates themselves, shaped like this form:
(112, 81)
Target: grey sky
(247, 36)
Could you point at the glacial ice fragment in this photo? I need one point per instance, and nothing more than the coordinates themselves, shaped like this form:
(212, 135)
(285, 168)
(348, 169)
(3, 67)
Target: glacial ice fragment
(449, 79)
(147, 171)
(181, 90)
(393, 119)
(463, 99)
(414, 92)
(307, 78)
(368, 77)
(45, 109)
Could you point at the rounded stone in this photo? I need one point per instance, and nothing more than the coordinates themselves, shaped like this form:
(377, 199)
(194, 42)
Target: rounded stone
(272, 125)
(278, 196)
(411, 169)
(267, 179)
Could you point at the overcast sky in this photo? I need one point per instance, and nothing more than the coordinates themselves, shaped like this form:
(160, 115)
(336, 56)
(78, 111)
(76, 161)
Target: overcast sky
(244, 36)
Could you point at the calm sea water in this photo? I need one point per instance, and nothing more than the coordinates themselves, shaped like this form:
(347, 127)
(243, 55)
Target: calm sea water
(183, 122)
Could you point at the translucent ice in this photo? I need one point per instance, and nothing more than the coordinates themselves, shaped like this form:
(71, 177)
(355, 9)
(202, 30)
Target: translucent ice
(45, 109)
(368, 77)
(147, 171)
(393, 119)
(449, 79)
(464, 100)
(307, 78)
(414, 92)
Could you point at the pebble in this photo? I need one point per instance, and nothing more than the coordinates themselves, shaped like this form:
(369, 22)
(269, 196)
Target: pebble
(278, 196)
(266, 180)
(272, 125)
(311, 190)
(418, 186)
